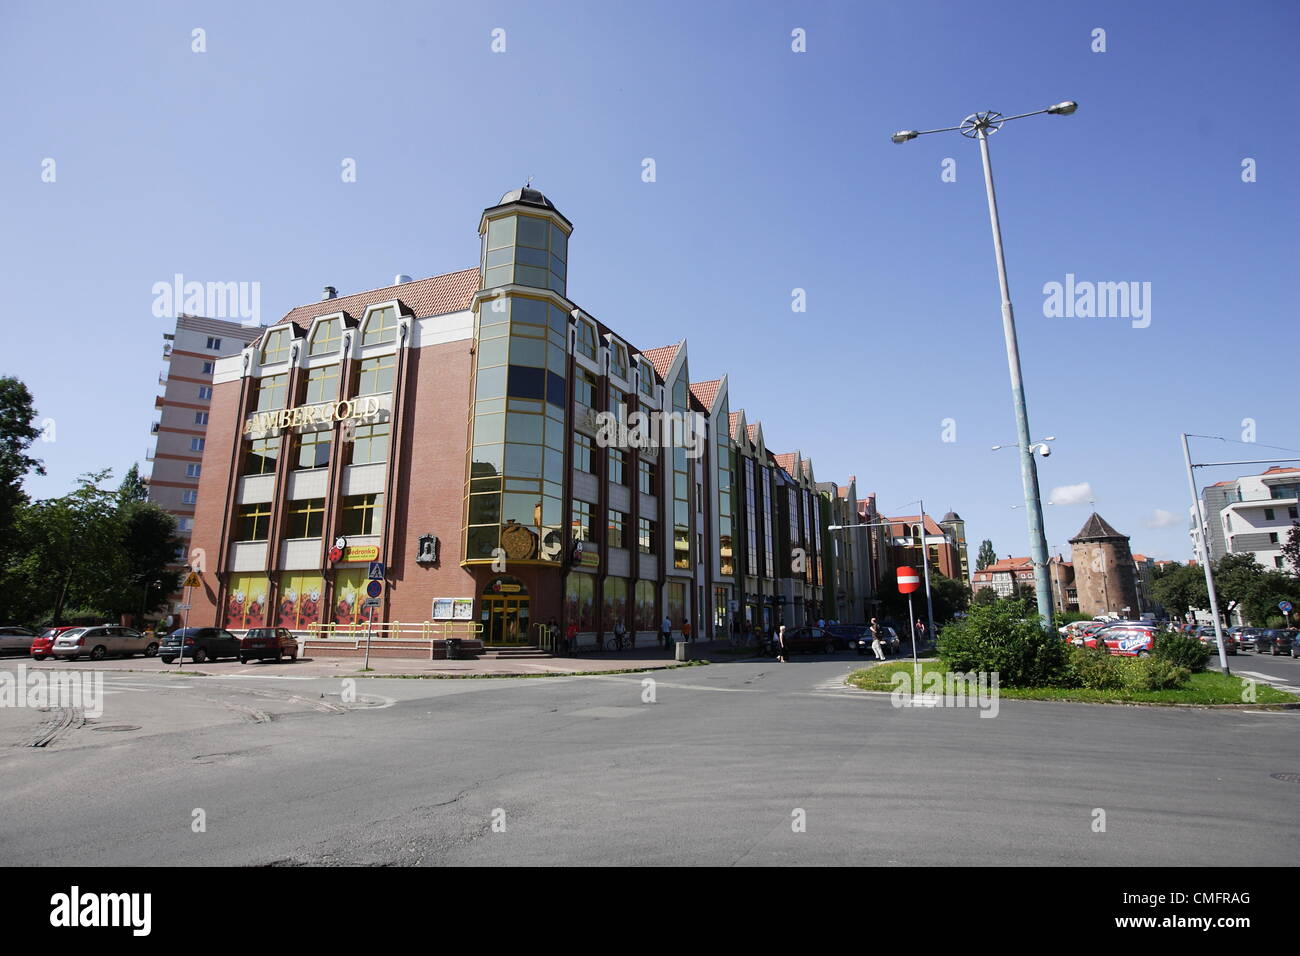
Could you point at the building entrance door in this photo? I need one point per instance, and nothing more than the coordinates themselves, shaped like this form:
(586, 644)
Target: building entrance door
(506, 604)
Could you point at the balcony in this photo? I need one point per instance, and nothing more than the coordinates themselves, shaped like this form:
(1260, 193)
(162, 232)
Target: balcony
(150, 454)
(153, 427)
(157, 401)
(162, 378)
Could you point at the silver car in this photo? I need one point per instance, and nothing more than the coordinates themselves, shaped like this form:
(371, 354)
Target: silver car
(16, 640)
(99, 642)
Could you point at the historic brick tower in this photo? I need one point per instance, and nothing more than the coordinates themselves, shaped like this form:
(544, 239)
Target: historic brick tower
(1103, 569)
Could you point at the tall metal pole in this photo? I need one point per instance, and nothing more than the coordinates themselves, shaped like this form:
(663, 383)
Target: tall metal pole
(925, 563)
(1028, 470)
(1205, 555)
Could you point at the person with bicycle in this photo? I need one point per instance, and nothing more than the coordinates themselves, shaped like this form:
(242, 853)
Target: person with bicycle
(619, 631)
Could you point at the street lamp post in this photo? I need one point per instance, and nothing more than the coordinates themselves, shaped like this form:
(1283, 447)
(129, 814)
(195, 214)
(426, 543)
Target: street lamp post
(979, 126)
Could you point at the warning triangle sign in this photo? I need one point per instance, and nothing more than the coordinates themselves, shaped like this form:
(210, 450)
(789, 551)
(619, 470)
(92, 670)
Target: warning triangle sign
(191, 580)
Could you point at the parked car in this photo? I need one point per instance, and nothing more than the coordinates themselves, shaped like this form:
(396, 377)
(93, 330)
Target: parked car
(100, 642)
(1245, 636)
(1134, 640)
(809, 640)
(1205, 634)
(268, 643)
(199, 644)
(847, 635)
(1276, 642)
(16, 640)
(43, 643)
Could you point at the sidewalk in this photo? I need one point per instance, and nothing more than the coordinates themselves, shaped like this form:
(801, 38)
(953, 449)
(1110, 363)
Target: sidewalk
(649, 657)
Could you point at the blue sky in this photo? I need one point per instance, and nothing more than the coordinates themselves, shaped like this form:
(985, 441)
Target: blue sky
(774, 172)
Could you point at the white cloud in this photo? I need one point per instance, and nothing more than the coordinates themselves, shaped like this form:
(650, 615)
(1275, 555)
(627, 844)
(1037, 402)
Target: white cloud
(1071, 494)
(1160, 518)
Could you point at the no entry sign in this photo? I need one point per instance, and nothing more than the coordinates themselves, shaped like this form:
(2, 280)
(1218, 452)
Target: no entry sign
(908, 580)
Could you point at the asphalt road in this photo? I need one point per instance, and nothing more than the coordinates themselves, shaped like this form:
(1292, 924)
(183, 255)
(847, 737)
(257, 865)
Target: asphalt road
(581, 771)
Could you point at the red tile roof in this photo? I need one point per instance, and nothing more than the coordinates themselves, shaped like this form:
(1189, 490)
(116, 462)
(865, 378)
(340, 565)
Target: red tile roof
(732, 421)
(787, 461)
(1009, 564)
(437, 295)
(899, 530)
(706, 392)
(751, 431)
(1278, 469)
(662, 358)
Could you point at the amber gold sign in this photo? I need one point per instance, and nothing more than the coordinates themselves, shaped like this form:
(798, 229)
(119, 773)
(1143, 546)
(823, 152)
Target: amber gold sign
(361, 552)
(327, 412)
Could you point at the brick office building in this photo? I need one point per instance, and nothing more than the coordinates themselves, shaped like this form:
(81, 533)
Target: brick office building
(456, 429)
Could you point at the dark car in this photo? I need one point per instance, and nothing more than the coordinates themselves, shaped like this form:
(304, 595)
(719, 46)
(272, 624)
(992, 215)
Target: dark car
(889, 642)
(1276, 642)
(268, 643)
(199, 644)
(16, 640)
(847, 636)
(809, 640)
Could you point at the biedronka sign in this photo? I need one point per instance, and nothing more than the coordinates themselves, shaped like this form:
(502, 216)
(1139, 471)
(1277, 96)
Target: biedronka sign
(323, 414)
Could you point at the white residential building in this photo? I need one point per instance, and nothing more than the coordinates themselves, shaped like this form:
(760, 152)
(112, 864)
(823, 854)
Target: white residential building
(1251, 515)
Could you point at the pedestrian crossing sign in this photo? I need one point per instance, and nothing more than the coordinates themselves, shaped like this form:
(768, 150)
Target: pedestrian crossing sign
(191, 580)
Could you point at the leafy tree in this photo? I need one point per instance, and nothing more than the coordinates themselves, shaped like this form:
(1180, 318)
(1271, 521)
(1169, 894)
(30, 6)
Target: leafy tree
(1291, 550)
(1271, 587)
(1236, 578)
(986, 555)
(984, 597)
(1179, 587)
(133, 487)
(949, 596)
(17, 432)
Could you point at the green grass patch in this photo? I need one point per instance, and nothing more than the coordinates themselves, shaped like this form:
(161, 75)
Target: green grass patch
(1210, 687)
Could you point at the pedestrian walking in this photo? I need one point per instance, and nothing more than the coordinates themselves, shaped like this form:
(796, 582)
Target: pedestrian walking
(619, 631)
(920, 631)
(571, 638)
(778, 643)
(666, 632)
(875, 640)
(686, 630)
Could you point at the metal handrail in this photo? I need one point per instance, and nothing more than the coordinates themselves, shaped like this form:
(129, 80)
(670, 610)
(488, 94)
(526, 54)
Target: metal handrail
(399, 630)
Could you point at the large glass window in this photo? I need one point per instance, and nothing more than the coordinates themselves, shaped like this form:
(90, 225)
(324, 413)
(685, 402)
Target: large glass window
(350, 598)
(583, 453)
(647, 473)
(376, 375)
(370, 444)
(246, 601)
(618, 466)
(314, 449)
(260, 456)
(617, 530)
(381, 327)
(646, 618)
(581, 524)
(300, 600)
(306, 518)
(272, 392)
(326, 338)
(362, 514)
(647, 379)
(580, 600)
(275, 347)
(586, 343)
(618, 360)
(584, 388)
(613, 602)
(322, 384)
(253, 522)
(647, 536)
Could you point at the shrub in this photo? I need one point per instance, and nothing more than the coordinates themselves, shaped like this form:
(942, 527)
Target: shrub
(1181, 651)
(1005, 638)
(1094, 669)
(1152, 673)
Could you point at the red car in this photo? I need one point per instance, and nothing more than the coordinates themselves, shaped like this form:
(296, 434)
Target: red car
(43, 643)
(1126, 641)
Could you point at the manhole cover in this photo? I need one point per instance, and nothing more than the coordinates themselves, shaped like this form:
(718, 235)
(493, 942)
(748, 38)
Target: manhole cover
(1286, 777)
(117, 727)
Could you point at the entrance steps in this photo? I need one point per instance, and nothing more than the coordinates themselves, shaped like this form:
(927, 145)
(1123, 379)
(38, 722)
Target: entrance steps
(513, 652)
